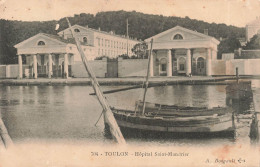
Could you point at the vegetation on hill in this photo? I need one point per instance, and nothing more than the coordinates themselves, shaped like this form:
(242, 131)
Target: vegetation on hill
(141, 26)
(254, 43)
(228, 45)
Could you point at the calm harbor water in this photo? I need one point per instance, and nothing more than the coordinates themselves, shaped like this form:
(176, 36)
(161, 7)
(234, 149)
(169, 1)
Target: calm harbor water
(69, 112)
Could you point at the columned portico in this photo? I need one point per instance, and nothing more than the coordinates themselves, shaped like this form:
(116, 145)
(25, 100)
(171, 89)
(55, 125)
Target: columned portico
(35, 72)
(20, 62)
(208, 62)
(169, 63)
(188, 62)
(47, 56)
(193, 52)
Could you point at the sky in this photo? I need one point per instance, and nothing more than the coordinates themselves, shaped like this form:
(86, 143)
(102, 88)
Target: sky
(230, 12)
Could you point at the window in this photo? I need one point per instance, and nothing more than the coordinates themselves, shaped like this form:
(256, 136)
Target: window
(200, 63)
(41, 43)
(177, 37)
(98, 41)
(182, 64)
(76, 30)
(85, 40)
(182, 67)
(163, 67)
(163, 63)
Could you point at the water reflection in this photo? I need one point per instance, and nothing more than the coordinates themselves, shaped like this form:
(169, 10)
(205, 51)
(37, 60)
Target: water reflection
(68, 112)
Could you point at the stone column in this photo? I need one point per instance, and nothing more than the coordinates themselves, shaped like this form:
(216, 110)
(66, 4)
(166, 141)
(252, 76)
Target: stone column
(50, 65)
(35, 66)
(208, 62)
(188, 62)
(66, 68)
(151, 64)
(169, 63)
(20, 62)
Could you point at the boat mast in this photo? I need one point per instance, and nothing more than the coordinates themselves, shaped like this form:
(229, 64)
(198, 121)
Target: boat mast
(147, 76)
(114, 129)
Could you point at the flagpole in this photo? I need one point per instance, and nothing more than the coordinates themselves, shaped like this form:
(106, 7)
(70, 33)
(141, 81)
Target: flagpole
(127, 36)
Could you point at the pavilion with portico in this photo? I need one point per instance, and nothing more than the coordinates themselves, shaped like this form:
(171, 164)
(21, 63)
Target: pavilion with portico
(46, 55)
(180, 51)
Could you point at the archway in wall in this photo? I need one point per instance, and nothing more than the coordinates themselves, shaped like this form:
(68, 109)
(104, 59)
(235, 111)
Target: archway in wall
(201, 66)
(181, 65)
(163, 67)
(56, 67)
(41, 68)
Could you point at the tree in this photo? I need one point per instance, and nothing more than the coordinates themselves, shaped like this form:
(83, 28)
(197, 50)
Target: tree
(254, 43)
(141, 26)
(139, 50)
(228, 45)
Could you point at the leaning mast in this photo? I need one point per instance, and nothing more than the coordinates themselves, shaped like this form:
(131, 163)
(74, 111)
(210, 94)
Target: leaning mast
(147, 76)
(109, 117)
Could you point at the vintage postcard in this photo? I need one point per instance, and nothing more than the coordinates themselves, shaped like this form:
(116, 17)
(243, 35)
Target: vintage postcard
(114, 83)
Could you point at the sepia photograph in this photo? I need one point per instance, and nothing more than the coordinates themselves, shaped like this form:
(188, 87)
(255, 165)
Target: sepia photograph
(129, 83)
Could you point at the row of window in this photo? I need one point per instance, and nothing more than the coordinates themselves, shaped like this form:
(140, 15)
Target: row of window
(113, 44)
(102, 52)
(182, 62)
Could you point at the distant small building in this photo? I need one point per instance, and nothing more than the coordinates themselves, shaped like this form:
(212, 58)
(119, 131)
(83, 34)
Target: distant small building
(180, 51)
(252, 28)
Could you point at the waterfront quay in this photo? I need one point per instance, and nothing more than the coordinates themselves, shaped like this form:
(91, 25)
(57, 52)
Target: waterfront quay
(208, 80)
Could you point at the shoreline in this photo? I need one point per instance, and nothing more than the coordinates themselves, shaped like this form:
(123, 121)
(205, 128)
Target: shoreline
(194, 80)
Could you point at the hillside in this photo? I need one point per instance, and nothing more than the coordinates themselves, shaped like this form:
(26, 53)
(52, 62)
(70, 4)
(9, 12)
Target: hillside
(141, 26)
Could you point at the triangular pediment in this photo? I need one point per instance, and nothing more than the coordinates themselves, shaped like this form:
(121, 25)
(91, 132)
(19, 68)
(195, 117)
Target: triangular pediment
(76, 28)
(179, 33)
(41, 40)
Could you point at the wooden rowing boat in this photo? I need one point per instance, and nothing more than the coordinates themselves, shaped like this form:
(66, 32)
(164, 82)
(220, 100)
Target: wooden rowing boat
(172, 119)
(212, 122)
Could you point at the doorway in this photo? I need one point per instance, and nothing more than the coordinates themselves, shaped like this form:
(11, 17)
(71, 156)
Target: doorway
(201, 69)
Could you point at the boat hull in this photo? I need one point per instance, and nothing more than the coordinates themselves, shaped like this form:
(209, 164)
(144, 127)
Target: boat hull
(188, 126)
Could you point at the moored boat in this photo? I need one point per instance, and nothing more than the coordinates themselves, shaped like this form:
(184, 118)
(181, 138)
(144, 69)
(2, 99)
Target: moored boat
(177, 120)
